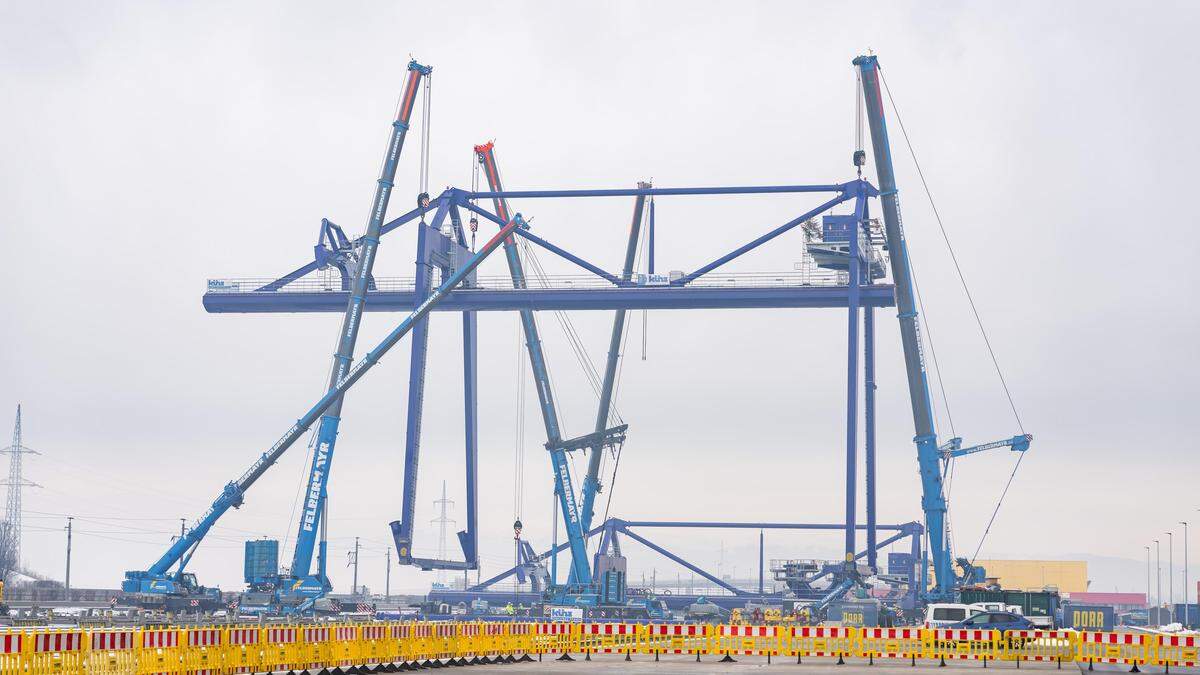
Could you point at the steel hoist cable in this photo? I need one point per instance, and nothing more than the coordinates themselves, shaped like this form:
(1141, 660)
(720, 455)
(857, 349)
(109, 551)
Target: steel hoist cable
(974, 311)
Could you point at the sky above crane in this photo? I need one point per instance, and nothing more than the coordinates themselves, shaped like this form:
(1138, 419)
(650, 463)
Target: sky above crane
(150, 147)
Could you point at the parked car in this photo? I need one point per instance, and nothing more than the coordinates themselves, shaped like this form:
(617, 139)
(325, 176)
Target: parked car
(1000, 621)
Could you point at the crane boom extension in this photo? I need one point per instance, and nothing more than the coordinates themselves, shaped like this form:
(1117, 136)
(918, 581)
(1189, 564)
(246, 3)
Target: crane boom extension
(580, 569)
(933, 500)
(233, 493)
(954, 448)
(322, 459)
(591, 482)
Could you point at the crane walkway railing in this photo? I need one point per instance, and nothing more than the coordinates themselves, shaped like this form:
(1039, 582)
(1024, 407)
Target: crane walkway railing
(320, 647)
(332, 283)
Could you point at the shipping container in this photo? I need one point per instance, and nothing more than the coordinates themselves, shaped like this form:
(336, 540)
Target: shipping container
(1188, 615)
(1088, 617)
(853, 614)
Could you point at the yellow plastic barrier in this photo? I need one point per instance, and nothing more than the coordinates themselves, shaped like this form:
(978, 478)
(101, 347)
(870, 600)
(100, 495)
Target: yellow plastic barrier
(892, 643)
(12, 658)
(674, 639)
(1177, 650)
(556, 638)
(243, 651)
(518, 638)
(111, 652)
(229, 650)
(160, 651)
(279, 648)
(609, 638)
(375, 645)
(1040, 645)
(836, 641)
(750, 640)
(314, 650)
(55, 651)
(205, 654)
(962, 643)
(1127, 648)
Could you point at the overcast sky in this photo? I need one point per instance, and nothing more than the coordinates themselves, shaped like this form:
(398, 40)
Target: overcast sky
(150, 147)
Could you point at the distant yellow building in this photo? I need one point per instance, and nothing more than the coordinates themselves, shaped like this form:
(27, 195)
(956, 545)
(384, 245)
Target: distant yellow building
(1069, 576)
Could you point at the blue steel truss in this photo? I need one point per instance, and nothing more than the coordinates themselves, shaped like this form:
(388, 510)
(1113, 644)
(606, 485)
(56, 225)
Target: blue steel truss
(860, 295)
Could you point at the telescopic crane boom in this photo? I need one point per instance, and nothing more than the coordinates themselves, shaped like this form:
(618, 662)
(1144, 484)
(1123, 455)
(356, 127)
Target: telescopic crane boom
(580, 568)
(929, 454)
(157, 579)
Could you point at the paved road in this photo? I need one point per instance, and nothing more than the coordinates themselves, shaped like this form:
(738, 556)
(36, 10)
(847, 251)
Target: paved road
(606, 663)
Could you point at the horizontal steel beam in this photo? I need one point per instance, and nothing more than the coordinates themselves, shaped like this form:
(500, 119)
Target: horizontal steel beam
(756, 526)
(481, 300)
(659, 192)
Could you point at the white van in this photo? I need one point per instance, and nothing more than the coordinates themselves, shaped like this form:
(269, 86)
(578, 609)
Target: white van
(942, 614)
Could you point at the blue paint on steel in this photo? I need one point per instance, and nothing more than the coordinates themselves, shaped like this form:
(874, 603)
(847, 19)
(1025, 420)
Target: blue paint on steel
(581, 299)
(650, 242)
(869, 431)
(933, 501)
(659, 192)
(687, 278)
(468, 539)
(580, 570)
(854, 295)
(567, 255)
(402, 532)
(591, 481)
(322, 461)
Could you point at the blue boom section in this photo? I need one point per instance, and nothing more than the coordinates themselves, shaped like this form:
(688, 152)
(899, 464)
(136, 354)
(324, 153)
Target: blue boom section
(234, 492)
(591, 482)
(580, 569)
(322, 460)
(933, 500)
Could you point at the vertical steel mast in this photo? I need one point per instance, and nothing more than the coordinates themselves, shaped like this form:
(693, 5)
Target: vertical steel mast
(591, 482)
(933, 500)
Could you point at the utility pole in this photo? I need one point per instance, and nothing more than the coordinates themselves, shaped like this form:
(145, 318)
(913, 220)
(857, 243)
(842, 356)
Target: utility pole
(1186, 604)
(1171, 576)
(70, 519)
(442, 521)
(387, 584)
(354, 561)
(1147, 576)
(1157, 579)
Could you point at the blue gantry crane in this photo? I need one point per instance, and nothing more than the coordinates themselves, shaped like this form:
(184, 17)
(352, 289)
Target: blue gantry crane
(848, 246)
(299, 585)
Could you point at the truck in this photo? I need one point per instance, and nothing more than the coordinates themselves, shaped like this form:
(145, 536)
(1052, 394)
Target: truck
(1040, 607)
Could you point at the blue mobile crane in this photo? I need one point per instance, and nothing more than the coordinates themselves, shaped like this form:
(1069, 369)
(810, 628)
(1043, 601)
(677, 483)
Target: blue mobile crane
(929, 454)
(299, 586)
(580, 570)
